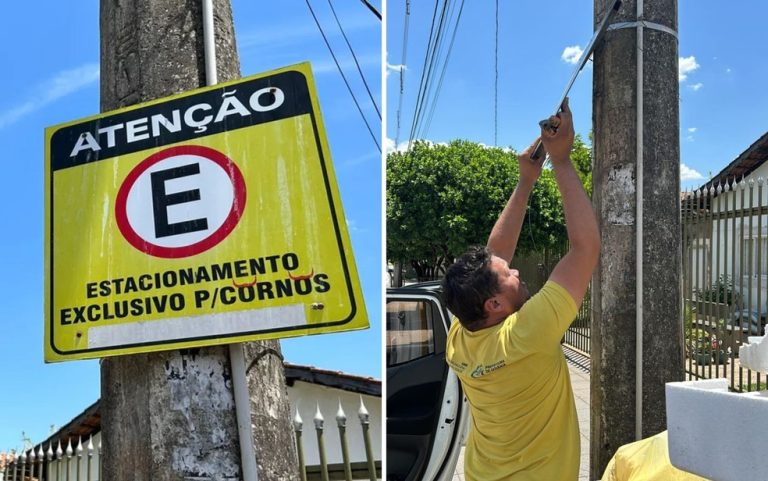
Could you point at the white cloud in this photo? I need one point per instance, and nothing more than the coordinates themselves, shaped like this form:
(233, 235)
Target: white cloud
(686, 66)
(389, 146)
(395, 68)
(572, 54)
(687, 173)
(60, 85)
(503, 149)
(691, 131)
(695, 87)
(352, 226)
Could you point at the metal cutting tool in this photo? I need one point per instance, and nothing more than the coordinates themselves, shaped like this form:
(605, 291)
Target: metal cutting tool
(537, 153)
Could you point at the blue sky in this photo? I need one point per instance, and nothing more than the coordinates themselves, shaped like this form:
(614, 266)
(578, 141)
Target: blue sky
(51, 59)
(722, 75)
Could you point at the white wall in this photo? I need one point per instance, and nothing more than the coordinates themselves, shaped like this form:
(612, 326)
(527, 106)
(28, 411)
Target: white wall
(729, 238)
(306, 396)
(302, 394)
(55, 468)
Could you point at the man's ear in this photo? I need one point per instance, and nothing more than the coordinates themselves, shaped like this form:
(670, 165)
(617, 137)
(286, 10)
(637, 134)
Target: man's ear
(492, 305)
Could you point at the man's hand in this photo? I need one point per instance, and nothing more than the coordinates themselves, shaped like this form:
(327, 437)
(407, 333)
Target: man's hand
(530, 169)
(559, 141)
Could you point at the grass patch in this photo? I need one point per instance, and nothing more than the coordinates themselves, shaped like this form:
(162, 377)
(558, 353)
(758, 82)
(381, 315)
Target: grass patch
(754, 387)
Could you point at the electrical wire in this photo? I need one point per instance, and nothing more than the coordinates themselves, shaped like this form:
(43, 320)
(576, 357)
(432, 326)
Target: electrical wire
(367, 89)
(402, 69)
(426, 72)
(429, 94)
(411, 133)
(426, 100)
(372, 8)
(496, 83)
(442, 74)
(433, 57)
(343, 76)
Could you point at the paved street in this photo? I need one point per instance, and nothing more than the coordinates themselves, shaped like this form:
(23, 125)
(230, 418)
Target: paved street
(578, 364)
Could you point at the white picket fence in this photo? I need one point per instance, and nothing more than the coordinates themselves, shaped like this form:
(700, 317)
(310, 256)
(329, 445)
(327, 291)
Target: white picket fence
(77, 459)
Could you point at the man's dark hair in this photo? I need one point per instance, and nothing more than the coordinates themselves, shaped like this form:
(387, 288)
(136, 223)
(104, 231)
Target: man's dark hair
(468, 283)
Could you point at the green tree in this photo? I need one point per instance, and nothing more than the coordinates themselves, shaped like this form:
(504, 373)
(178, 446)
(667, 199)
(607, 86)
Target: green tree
(582, 160)
(443, 198)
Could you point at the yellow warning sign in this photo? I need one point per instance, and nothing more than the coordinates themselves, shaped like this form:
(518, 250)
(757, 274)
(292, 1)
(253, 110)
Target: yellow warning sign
(210, 217)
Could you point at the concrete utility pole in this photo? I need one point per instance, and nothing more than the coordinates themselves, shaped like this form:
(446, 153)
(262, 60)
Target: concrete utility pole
(636, 146)
(171, 415)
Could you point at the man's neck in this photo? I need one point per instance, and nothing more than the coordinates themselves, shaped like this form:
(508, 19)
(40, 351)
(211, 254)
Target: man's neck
(489, 321)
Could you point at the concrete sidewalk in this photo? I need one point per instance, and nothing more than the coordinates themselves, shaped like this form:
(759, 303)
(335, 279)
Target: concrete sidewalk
(578, 364)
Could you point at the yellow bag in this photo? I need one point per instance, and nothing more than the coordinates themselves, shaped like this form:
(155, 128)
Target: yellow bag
(645, 460)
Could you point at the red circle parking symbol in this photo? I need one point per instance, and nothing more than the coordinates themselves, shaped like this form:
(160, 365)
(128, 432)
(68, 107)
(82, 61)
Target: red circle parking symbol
(180, 201)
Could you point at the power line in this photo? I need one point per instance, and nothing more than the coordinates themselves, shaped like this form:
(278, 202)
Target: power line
(355, 58)
(429, 95)
(426, 72)
(426, 100)
(343, 76)
(371, 8)
(496, 83)
(442, 74)
(433, 62)
(402, 69)
(411, 133)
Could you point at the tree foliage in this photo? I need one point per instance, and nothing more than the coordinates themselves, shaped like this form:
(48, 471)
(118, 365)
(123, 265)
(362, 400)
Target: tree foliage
(581, 155)
(443, 198)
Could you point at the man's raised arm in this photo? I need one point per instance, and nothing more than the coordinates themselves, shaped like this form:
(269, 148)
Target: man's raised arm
(505, 233)
(574, 270)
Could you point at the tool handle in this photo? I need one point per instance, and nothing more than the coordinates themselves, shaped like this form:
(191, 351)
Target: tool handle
(539, 150)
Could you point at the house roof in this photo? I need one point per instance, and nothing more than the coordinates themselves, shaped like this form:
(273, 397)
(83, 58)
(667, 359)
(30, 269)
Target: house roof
(744, 164)
(88, 422)
(83, 425)
(337, 379)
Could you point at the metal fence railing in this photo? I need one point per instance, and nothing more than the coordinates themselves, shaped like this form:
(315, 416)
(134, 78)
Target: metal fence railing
(65, 462)
(578, 335)
(345, 470)
(725, 269)
(78, 463)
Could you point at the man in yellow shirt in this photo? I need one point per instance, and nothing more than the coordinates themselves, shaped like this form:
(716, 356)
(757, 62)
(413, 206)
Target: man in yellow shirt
(506, 346)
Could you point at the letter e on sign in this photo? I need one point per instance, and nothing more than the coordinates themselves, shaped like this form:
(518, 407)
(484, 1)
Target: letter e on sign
(180, 201)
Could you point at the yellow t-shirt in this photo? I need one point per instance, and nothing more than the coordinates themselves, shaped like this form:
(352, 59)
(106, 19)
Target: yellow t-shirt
(524, 425)
(646, 460)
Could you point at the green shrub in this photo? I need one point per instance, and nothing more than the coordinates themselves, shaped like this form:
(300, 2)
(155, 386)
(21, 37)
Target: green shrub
(720, 291)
